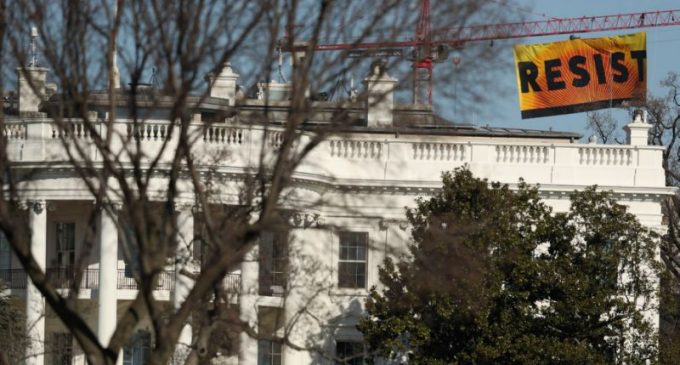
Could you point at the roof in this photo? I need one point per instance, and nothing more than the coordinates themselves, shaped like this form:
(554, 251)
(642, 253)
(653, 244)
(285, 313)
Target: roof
(465, 130)
(413, 119)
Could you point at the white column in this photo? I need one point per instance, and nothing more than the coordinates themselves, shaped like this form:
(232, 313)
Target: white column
(35, 303)
(108, 276)
(250, 267)
(303, 245)
(290, 309)
(183, 283)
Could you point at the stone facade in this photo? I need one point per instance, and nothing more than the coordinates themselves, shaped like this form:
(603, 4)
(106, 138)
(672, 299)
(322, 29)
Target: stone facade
(357, 181)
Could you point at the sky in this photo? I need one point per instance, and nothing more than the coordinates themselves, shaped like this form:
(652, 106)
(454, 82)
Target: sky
(663, 56)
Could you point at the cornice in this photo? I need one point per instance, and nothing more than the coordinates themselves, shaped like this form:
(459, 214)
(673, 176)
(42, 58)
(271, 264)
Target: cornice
(325, 184)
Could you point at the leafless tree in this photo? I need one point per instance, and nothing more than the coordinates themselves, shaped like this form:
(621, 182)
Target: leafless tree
(161, 51)
(604, 126)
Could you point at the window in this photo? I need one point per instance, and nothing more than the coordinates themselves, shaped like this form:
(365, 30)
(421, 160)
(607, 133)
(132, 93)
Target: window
(61, 348)
(607, 269)
(5, 253)
(66, 245)
(132, 259)
(353, 257)
(273, 263)
(137, 350)
(349, 353)
(199, 243)
(268, 352)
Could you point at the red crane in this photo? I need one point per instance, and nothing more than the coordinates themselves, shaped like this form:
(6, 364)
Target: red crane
(429, 47)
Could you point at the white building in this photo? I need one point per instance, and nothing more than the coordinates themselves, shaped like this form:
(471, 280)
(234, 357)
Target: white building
(364, 175)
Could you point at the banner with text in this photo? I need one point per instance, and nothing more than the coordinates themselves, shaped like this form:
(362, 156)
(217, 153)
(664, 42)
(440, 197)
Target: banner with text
(580, 74)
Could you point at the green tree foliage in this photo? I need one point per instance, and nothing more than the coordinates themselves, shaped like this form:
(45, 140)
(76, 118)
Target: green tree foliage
(13, 338)
(495, 276)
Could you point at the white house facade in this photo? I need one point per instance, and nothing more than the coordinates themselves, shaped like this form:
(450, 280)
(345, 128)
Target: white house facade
(347, 200)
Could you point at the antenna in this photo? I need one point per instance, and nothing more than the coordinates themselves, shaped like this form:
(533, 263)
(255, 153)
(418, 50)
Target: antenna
(154, 78)
(34, 54)
(280, 55)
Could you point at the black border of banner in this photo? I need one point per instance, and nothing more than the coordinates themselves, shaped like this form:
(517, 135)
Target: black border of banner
(574, 108)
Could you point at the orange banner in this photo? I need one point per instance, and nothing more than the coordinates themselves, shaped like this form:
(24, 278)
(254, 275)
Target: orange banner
(580, 74)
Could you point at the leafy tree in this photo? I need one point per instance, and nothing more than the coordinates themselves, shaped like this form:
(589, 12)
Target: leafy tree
(12, 329)
(663, 114)
(495, 276)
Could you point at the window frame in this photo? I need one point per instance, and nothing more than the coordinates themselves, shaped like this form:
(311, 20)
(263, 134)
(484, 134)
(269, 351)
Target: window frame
(5, 253)
(65, 244)
(355, 359)
(273, 262)
(138, 348)
(61, 348)
(272, 355)
(345, 260)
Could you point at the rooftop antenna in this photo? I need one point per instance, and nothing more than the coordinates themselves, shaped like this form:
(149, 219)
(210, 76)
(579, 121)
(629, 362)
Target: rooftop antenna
(352, 91)
(282, 78)
(34, 53)
(153, 80)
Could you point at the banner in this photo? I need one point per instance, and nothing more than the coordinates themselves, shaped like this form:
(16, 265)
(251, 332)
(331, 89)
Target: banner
(580, 74)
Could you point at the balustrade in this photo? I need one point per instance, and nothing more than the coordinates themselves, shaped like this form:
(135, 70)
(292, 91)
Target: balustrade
(149, 131)
(397, 157)
(348, 148)
(522, 154)
(14, 131)
(221, 134)
(438, 151)
(604, 156)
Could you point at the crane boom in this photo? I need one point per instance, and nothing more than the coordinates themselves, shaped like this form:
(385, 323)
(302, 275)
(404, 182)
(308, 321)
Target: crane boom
(427, 40)
(559, 26)
(485, 32)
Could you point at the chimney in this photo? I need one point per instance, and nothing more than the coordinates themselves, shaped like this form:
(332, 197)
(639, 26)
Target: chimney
(638, 130)
(380, 96)
(224, 84)
(30, 98)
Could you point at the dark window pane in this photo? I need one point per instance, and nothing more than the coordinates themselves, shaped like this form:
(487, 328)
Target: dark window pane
(268, 352)
(343, 252)
(61, 348)
(361, 253)
(66, 243)
(138, 349)
(349, 353)
(5, 253)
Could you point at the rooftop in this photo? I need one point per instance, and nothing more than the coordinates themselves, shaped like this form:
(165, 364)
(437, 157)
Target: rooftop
(224, 103)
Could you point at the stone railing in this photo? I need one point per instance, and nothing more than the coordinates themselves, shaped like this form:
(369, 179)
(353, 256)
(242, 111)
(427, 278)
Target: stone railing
(351, 149)
(605, 156)
(522, 154)
(356, 158)
(149, 131)
(14, 131)
(274, 139)
(224, 135)
(73, 129)
(439, 151)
